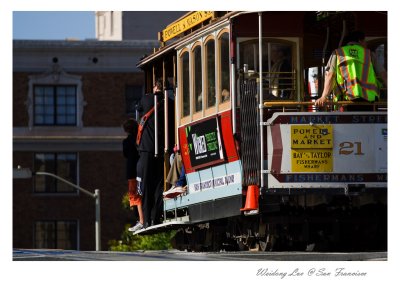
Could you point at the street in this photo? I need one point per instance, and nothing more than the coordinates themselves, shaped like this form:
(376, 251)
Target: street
(174, 255)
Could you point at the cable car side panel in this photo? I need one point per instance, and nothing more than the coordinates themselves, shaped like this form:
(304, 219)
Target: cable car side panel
(212, 165)
(327, 150)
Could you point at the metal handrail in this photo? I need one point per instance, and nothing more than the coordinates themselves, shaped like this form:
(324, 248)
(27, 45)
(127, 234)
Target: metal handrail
(271, 103)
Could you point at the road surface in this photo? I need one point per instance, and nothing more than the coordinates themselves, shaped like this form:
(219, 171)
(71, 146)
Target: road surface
(174, 255)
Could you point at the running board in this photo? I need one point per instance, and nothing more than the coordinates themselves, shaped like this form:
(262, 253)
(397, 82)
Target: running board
(166, 226)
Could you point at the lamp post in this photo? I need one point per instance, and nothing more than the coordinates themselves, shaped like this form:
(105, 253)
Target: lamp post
(27, 173)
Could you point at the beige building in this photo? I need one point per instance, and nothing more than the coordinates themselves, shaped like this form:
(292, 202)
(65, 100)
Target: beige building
(128, 25)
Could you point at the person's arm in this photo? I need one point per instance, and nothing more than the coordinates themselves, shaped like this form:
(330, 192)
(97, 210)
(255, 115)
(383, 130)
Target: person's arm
(328, 85)
(329, 80)
(125, 149)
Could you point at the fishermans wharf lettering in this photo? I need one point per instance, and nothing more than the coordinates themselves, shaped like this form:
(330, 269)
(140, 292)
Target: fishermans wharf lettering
(331, 178)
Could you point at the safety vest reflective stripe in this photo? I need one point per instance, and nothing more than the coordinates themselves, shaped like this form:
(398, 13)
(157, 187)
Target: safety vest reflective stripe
(344, 72)
(364, 75)
(363, 84)
(351, 85)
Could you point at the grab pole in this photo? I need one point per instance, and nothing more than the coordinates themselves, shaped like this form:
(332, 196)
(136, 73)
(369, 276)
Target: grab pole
(261, 100)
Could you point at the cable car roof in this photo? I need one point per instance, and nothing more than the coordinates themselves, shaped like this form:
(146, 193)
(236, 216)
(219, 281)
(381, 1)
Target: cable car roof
(175, 44)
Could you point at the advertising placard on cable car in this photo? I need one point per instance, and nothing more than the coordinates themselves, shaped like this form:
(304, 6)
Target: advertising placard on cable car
(204, 142)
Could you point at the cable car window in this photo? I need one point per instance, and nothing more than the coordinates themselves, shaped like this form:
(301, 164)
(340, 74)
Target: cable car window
(380, 53)
(280, 67)
(378, 48)
(210, 64)
(185, 84)
(224, 67)
(249, 55)
(279, 80)
(197, 79)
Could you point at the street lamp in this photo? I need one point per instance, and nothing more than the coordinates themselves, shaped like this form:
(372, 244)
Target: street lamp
(20, 172)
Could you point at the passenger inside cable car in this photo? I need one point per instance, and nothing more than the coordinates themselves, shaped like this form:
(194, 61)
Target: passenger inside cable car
(278, 75)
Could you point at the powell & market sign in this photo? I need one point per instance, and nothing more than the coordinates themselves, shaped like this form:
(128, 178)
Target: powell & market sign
(312, 148)
(186, 23)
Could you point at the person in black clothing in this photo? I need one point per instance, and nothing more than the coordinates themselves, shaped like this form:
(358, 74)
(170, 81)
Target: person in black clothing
(131, 155)
(150, 165)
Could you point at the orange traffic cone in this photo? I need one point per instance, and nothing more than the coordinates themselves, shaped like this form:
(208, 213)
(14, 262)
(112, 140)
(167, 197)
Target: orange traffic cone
(253, 192)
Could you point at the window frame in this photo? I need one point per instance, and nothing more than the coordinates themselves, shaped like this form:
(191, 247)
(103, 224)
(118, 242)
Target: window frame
(209, 110)
(189, 48)
(222, 106)
(55, 234)
(73, 192)
(295, 43)
(196, 115)
(55, 75)
(372, 44)
(129, 100)
(184, 118)
(55, 99)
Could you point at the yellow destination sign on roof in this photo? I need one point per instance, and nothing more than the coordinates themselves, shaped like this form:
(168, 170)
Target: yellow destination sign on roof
(186, 23)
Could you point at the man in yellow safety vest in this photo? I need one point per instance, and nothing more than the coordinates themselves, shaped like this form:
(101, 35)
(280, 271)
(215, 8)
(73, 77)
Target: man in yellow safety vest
(352, 74)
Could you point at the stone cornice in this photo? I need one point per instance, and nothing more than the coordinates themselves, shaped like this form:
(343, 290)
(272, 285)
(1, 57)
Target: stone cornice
(68, 139)
(83, 44)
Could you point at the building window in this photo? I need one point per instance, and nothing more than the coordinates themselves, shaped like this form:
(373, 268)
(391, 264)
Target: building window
(49, 90)
(56, 235)
(61, 164)
(55, 105)
(133, 94)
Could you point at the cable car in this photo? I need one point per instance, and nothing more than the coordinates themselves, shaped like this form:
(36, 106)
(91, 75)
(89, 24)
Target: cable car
(265, 169)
